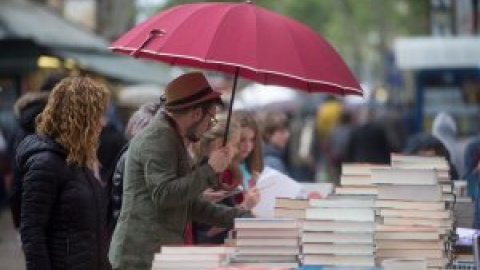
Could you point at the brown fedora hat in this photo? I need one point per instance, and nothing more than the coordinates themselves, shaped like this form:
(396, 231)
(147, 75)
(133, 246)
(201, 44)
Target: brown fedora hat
(189, 89)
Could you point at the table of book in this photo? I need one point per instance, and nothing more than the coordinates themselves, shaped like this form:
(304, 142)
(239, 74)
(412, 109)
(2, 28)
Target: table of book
(403, 210)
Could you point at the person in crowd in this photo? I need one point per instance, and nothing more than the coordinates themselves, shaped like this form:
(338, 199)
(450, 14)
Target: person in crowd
(250, 152)
(303, 150)
(337, 144)
(368, 142)
(275, 136)
(137, 122)
(162, 189)
(390, 116)
(62, 218)
(472, 168)
(4, 168)
(328, 115)
(229, 180)
(444, 128)
(26, 109)
(428, 145)
(111, 143)
(327, 118)
(472, 175)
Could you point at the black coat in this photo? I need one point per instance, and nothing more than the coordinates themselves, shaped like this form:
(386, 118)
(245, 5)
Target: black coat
(368, 143)
(62, 211)
(116, 190)
(27, 108)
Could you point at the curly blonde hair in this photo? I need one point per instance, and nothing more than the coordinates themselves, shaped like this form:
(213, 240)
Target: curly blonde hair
(73, 117)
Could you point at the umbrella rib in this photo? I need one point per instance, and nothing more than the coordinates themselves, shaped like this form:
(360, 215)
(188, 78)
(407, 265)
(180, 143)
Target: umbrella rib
(173, 31)
(207, 55)
(284, 22)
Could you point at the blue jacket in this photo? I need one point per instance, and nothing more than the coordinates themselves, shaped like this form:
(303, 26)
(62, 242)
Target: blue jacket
(273, 157)
(472, 157)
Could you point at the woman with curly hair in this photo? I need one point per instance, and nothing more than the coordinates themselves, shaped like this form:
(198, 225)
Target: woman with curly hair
(62, 211)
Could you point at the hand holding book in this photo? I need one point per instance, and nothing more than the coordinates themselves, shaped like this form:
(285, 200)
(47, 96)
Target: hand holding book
(215, 195)
(251, 199)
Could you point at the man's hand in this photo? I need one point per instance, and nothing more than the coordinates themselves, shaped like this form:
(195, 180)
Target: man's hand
(214, 196)
(220, 159)
(215, 231)
(251, 198)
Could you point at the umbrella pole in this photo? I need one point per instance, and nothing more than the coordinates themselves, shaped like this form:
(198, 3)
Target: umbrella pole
(230, 107)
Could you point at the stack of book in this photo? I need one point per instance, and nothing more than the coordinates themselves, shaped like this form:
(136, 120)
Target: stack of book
(266, 242)
(339, 232)
(191, 257)
(421, 162)
(412, 203)
(290, 208)
(464, 211)
(403, 264)
(356, 179)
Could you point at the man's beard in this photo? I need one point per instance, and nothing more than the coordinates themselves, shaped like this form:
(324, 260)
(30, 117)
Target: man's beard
(191, 132)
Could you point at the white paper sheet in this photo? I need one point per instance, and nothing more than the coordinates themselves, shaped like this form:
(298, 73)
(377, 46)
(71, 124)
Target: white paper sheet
(274, 184)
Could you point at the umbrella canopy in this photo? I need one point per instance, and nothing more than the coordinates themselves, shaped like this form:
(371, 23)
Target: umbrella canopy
(241, 39)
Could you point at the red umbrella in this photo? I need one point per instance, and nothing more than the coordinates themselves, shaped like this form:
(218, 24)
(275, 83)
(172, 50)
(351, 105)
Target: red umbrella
(241, 39)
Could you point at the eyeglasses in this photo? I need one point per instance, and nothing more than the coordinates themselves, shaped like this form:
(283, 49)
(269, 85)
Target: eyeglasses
(213, 119)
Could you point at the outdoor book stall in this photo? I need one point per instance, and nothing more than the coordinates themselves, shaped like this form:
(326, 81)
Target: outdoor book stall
(396, 216)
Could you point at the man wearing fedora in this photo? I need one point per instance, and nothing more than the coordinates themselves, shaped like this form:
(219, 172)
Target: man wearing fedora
(162, 188)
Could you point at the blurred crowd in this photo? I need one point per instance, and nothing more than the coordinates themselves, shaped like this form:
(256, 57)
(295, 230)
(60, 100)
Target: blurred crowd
(340, 132)
(309, 146)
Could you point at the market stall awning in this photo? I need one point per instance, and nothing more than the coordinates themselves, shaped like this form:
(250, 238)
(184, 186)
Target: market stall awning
(24, 19)
(19, 55)
(119, 67)
(26, 22)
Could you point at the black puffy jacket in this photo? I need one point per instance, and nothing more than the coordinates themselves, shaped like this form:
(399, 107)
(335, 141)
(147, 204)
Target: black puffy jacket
(62, 211)
(26, 109)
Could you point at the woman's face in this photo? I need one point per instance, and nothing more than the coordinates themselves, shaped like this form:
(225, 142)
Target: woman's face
(280, 137)
(247, 142)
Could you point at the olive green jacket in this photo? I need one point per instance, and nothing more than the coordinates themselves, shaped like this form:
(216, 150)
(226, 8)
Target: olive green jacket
(161, 194)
